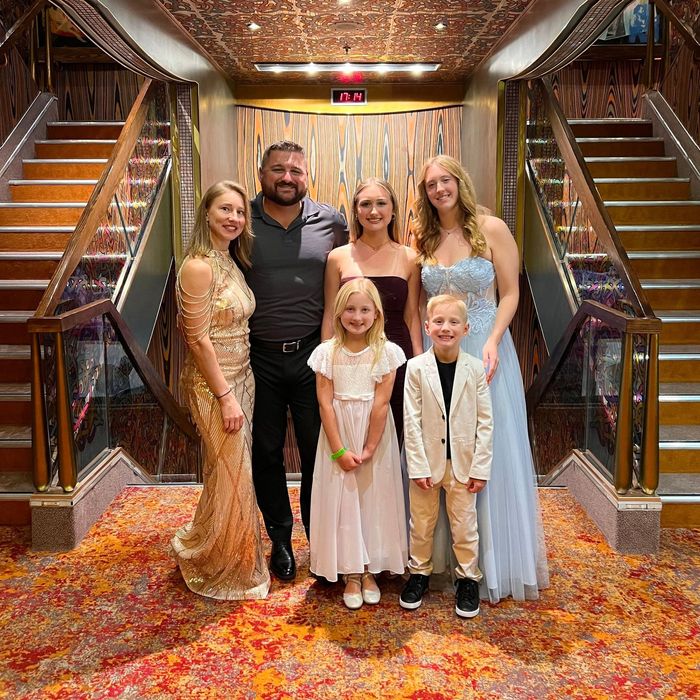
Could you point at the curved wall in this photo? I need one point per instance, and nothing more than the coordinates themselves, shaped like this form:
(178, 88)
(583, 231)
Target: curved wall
(150, 27)
(536, 30)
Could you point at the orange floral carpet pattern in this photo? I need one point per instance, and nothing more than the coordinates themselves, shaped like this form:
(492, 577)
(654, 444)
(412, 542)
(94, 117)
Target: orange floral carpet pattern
(113, 619)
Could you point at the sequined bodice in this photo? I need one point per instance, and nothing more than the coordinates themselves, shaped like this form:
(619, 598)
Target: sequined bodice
(470, 279)
(232, 301)
(223, 316)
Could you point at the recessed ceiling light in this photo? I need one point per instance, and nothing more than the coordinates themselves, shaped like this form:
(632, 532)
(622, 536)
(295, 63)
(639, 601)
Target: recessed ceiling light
(253, 26)
(347, 67)
(441, 26)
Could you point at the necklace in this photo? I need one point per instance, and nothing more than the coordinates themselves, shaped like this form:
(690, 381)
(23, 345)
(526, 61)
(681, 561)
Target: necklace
(372, 247)
(448, 231)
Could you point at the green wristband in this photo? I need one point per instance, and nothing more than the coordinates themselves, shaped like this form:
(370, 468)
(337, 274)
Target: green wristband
(339, 453)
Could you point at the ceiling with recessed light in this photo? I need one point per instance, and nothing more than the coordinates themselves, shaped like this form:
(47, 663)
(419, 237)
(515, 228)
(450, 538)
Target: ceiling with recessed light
(329, 31)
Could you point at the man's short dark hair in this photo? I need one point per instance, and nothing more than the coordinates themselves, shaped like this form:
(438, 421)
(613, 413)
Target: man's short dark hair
(286, 146)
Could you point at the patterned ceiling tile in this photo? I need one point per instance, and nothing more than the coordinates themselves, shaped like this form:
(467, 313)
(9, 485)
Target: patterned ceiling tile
(374, 30)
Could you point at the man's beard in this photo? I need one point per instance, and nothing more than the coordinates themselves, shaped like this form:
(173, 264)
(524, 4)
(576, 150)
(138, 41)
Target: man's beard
(286, 200)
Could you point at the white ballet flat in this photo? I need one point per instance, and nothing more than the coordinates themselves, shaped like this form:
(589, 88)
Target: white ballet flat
(353, 601)
(369, 596)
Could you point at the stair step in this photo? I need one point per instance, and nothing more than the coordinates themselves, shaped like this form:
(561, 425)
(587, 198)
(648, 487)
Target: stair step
(666, 264)
(25, 213)
(667, 238)
(34, 238)
(637, 188)
(84, 130)
(15, 462)
(679, 403)
(672, 293)
(661, 212)
(16, 482)
(624, 147)
(679, 448)
(15, 404)
(15, 363)
(680, 511)
(680, 327)
(74, 148)
(633, 166)
(13, 326)
(18, 264)
(679, 363)
(51, 190)
(14, 508)
(63, 167)
(611, 127)
(21, 294)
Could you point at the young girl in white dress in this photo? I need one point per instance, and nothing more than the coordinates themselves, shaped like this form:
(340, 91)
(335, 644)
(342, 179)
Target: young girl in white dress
(358, 521)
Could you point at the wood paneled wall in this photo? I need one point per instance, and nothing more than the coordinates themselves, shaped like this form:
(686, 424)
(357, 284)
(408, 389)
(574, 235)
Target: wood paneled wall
(343, 150)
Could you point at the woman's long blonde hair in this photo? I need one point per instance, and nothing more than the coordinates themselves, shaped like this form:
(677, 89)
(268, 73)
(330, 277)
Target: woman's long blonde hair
(200, 242)
(355, 225)
(427, 226)
(375, 335)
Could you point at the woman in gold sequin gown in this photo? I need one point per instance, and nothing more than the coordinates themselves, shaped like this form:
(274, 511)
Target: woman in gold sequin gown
(220, 552)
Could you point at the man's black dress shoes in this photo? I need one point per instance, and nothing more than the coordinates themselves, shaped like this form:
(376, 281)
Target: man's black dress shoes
(282, 563)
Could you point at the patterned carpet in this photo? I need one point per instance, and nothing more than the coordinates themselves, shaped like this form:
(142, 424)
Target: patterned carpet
(113, 619)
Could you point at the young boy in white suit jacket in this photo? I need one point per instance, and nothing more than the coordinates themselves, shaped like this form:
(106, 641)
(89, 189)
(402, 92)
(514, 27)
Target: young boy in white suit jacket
(448, 432)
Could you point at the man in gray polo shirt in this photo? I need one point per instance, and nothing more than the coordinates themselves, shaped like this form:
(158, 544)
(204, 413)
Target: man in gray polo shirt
(293, 236)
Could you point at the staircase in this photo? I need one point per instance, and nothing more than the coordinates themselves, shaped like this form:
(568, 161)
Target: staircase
(35, 226)
(659, 225)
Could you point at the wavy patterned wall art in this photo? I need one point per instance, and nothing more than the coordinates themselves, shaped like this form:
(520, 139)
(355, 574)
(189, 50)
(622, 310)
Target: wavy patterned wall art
(343, 150)
(17, 88)
(97, 91)
(600, 89)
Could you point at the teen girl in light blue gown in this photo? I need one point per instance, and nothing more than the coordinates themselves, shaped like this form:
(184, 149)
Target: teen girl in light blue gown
(468, 256)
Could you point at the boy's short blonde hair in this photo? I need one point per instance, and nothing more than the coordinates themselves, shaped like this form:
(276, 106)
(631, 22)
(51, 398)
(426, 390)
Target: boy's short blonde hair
(444, 300)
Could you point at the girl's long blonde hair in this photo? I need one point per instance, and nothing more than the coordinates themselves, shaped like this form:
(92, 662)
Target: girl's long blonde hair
(375, 335)
(427, 226)
(355, 225)
(200, 242)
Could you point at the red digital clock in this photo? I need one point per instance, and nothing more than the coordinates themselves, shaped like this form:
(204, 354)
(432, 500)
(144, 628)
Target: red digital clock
(348, 96)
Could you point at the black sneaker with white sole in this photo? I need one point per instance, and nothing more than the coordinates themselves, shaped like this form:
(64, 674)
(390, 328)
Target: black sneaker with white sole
(412, 594)
(467, 598)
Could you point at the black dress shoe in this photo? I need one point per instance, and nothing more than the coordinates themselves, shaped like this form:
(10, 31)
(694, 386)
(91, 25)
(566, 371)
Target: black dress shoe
(282, 563)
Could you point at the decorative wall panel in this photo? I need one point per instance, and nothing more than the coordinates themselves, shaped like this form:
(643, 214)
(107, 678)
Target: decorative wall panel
(600, 89)
(95, 91)
(166, 350)
(17, 88)
(527, 335)
(343, 150)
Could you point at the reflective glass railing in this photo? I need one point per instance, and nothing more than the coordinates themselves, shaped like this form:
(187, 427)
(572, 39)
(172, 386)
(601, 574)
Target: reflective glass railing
(590, 398)
(105, 395)
(587, 264)
(117, 236)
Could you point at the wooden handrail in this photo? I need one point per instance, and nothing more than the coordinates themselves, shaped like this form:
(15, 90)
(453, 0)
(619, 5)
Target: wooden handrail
(592, 202)
(105, 307)
(687, 32)
(588, 309)
(99, 201)
(18, 28)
